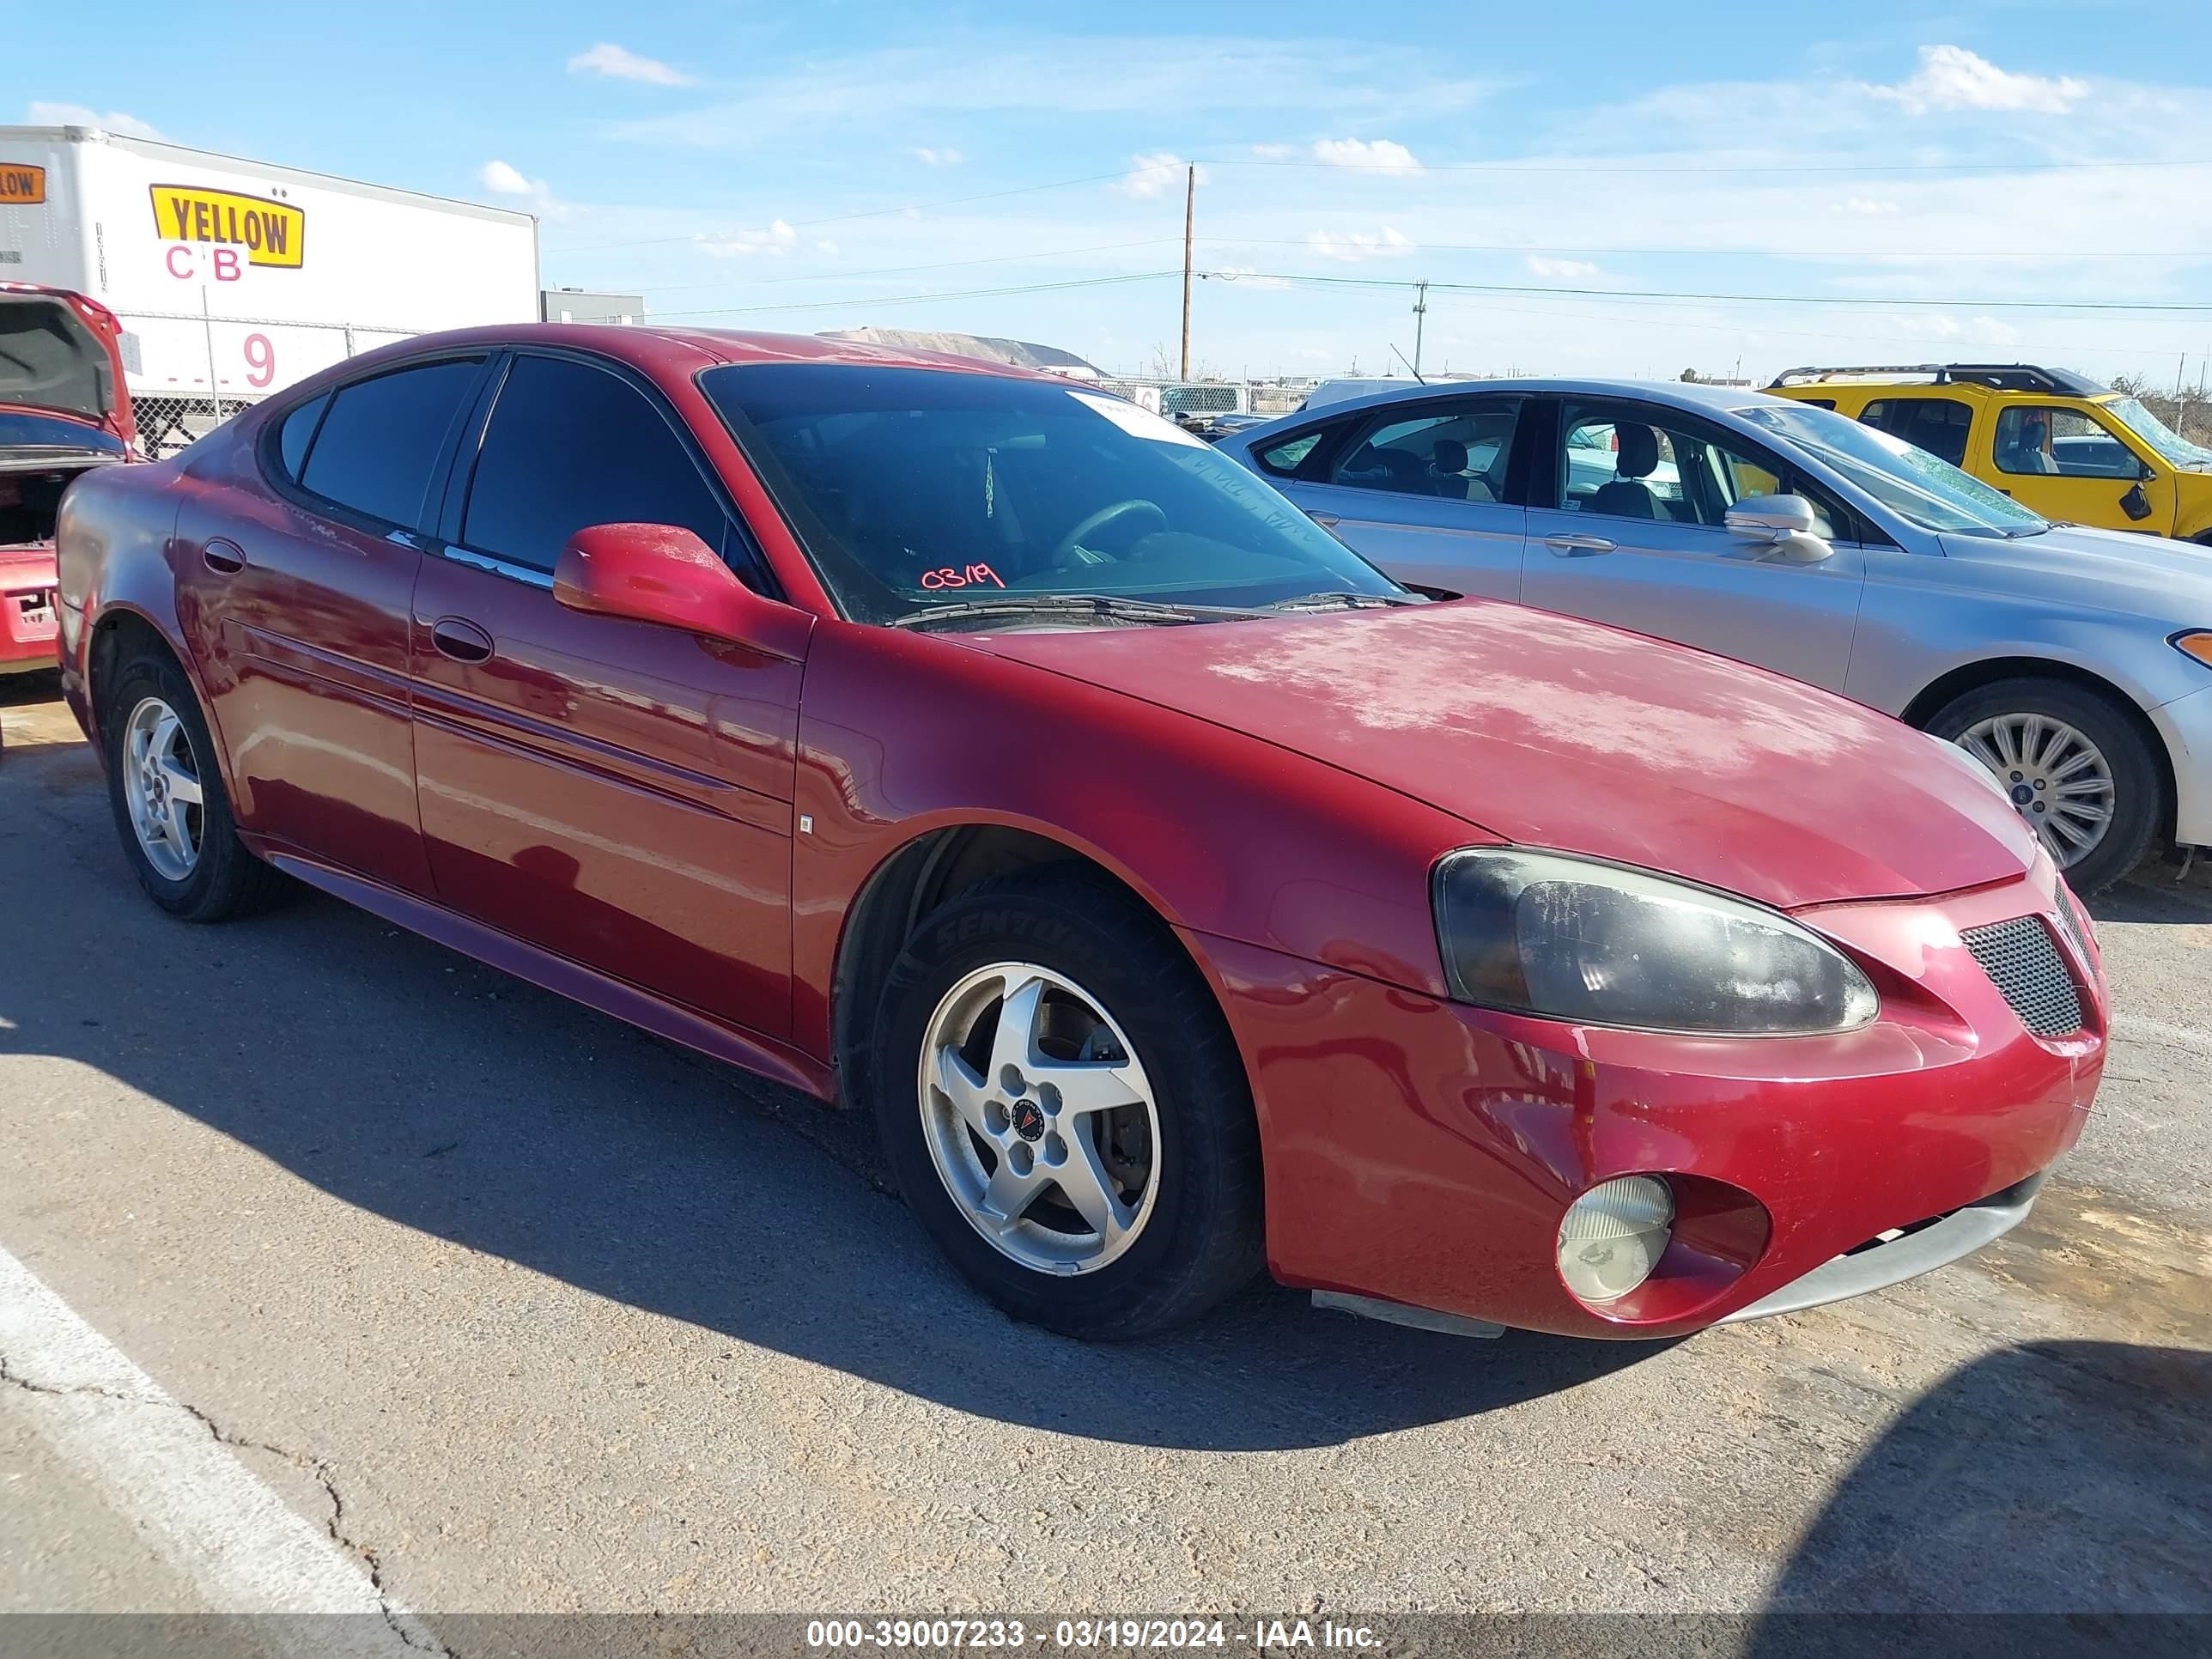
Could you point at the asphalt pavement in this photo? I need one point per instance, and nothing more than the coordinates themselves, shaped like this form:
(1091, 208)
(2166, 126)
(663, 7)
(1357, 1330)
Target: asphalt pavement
(348, 1272)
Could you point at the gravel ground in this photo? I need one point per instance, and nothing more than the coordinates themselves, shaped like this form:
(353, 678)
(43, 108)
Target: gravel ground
(532, 1313)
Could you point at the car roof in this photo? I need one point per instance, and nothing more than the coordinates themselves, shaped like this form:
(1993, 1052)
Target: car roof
(1681, 394)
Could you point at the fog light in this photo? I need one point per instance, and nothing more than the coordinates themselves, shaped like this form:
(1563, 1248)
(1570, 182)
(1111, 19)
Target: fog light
(1614, 1235)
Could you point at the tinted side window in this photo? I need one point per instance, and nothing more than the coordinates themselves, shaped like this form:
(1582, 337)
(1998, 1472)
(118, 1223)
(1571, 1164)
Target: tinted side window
(299, 427)
(1457, 453)
(381, 438)
(1938, 425)
(570, 446)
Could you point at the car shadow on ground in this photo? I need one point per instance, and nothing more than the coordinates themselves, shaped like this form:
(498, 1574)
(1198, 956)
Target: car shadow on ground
(422, 1087)
(2159, 890)
(1935, 1518)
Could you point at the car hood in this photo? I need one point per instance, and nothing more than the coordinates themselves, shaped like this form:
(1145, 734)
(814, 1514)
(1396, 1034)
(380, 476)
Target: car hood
(52, 361)
(2110, 569)
(1565, 734)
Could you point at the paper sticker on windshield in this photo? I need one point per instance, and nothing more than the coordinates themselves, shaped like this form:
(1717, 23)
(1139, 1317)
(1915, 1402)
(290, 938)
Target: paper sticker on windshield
(1137, 423)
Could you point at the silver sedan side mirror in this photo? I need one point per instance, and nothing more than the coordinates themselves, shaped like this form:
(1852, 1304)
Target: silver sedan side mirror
(1783, 524)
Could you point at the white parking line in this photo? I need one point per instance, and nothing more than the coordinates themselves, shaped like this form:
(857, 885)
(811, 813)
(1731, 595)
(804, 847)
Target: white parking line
(161, 1467)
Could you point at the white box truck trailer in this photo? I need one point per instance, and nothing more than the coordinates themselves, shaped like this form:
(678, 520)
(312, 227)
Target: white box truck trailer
(232, 278)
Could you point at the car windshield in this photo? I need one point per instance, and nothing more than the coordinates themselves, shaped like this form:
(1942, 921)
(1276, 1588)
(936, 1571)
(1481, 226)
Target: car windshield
(1909, 480)
(915, 487)
(2159, 436)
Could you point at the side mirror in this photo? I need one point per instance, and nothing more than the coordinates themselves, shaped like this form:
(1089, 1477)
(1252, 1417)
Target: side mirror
(1783, 525)
(664, 573)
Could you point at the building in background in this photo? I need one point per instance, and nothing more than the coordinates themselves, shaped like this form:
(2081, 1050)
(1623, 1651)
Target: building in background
(576, 305)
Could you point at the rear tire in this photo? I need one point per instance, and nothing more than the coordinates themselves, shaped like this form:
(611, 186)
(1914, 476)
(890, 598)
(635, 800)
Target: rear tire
(1004, 1177)
(184, 851)
(2137, 802)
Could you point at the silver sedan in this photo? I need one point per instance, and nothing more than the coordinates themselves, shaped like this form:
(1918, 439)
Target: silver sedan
(2075, 664)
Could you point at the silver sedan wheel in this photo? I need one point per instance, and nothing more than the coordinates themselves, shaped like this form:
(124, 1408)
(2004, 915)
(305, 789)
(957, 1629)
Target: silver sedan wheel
(1039, 1118)
(162, 787)
(2059, 781)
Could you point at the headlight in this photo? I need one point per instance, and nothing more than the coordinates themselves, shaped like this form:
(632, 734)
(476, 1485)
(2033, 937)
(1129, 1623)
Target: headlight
(1573, 940)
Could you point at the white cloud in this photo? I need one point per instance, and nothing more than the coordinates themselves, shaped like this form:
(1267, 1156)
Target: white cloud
(502, 180)
(616, 64)
(42, 114)
(1353, 246)
(778, 240)
(1155, 174)
(1380, 155)
(936, 156)
(1869, 206)
(1953, 78)
(1560, 269)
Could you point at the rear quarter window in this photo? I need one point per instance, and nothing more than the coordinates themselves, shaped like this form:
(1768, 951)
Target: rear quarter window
(381, 439)
(1285, 457)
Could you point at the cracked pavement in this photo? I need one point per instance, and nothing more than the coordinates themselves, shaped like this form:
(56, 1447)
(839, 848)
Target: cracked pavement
(528, 1312)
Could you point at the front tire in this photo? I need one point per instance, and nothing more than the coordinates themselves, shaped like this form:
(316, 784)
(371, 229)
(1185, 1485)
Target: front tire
(1065, 1112)
(2079, 772)
(167, 793)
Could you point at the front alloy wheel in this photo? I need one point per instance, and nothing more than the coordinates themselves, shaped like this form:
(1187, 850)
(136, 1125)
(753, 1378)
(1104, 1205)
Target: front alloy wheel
(2077, 765)
(2059, 781)
(1064, 1109)
(1039, 1118)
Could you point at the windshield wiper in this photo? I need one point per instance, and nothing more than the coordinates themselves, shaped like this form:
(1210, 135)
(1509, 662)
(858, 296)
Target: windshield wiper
(1349, 601)
(1109, 607)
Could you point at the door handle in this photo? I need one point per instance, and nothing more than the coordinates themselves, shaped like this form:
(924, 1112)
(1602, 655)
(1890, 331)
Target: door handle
(1576, 547)
(1326, 520)
(464, 641)
(224, 558)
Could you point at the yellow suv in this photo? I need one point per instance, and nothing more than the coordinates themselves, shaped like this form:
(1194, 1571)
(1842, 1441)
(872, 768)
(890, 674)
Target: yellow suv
(2070, 449)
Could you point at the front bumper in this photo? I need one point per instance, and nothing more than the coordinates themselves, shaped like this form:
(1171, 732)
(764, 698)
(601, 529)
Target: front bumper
(29, 614)
(2185, 725)
(1422, 1153)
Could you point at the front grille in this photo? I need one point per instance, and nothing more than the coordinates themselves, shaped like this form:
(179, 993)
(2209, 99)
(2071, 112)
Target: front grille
(2023, 961)
(2074, 925)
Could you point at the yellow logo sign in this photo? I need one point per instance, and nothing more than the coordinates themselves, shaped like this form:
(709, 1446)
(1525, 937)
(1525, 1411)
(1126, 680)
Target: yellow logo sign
(21, 183)
(271, 233)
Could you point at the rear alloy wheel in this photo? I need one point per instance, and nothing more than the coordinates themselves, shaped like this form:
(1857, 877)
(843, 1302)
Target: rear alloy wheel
(2076, 768)
(161, 789)
(167, 793)
(1065, 1111)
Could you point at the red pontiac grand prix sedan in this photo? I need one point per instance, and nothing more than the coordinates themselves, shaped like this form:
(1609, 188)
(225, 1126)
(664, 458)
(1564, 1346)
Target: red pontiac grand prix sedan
(1177, 891)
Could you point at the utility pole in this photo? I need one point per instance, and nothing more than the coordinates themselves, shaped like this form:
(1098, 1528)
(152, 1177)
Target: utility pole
(1420, 316)
(1189, 207)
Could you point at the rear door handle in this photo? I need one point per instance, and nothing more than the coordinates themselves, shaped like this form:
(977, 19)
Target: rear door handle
(224, 558)
(1326, 520)
(464, 641)
(1576, 547)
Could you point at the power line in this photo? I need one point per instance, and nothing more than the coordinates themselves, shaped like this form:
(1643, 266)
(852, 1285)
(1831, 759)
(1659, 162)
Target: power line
(1831, 253)
(1719, 299)
(1537, 166)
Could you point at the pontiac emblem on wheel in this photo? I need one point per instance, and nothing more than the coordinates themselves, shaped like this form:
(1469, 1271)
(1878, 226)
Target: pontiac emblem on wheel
(1028, 1120)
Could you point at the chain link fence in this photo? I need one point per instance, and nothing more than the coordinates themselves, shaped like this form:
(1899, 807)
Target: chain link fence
(221, 365)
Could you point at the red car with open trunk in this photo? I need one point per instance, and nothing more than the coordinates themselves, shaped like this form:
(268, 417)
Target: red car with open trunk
(62, 409)
(1178, 892)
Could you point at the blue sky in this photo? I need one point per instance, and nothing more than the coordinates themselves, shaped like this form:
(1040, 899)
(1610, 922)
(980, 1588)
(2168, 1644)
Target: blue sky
(848, 162)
